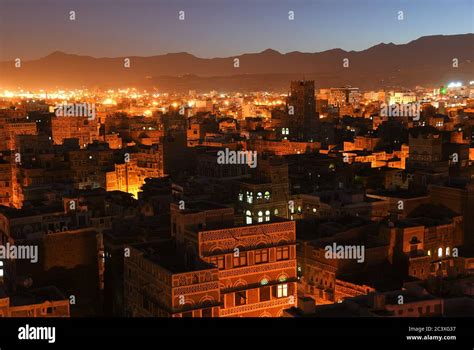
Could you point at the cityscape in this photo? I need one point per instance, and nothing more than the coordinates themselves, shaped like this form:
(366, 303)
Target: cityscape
(278, 182)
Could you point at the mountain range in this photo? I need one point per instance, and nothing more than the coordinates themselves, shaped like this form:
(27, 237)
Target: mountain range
(426, 61)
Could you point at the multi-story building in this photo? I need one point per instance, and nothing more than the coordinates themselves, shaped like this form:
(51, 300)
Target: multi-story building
(158, 282)
(251, 269)
(266, 194)
(39, 302)
(302, 110)
(81, 128)
(14, 127)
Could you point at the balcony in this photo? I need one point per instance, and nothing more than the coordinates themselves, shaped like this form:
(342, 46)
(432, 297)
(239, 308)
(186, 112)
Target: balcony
(245, 270)
(237, 310)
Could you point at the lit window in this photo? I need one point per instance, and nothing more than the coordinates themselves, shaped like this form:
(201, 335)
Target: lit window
(1, 268)
(248, 217)
(264, 282)
(267, 195)
(267, 215)
(259, 195)
(429, 252)
(282, 290)
(241, 197)
(275, 212)
(260, 218)
(249, 197)
(440, 252)
(447, 251)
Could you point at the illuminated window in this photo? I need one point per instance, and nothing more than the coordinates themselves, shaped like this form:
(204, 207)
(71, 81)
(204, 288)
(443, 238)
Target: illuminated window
(440, 252)
(259, 195)
(447, 251)
(241, 197)
(1, 268)
(429, 252)
(282, 290)
(267, 215)
(260, 218)
(267, 195)
(249, 217)
(264, 282)
(275, 212)
(249, 197)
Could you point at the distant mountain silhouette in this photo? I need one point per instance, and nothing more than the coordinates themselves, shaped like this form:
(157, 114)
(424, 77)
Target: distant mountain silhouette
(425, 61)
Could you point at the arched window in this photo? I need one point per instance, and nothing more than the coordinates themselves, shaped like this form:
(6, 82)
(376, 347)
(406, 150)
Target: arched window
(440, 252)
(267, 195)
(259, 195)
(447, 251)
(248, 219)
(260, 216)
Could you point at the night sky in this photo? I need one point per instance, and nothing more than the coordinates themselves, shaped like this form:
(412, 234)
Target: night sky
(217, 28)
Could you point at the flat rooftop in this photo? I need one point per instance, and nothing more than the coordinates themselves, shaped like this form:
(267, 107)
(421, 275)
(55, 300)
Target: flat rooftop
(36, 296)
(14, 213)
(166, 255)
(199, 206)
